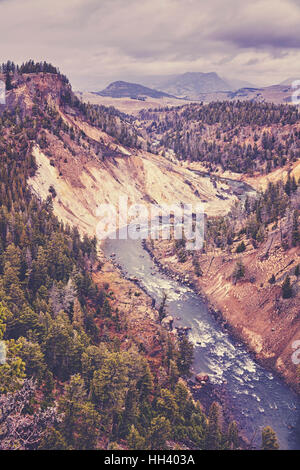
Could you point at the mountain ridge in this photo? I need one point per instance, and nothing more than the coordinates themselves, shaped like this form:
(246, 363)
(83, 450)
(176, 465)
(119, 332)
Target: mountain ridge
(122, 89)
(190, 85)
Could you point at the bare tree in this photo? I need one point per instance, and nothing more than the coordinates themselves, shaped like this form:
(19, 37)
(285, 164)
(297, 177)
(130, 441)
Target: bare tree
(18, 429)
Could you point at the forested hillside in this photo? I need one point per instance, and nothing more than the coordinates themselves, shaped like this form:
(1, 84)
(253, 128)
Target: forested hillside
(240, 136)
(74, 377)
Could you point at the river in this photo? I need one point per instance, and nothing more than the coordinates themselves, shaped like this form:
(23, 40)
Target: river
(257, 397)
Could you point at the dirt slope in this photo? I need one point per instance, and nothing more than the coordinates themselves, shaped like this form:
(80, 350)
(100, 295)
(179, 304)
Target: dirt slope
(84, 182)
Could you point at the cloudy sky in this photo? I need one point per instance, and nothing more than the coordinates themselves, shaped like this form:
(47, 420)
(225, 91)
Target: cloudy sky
(98, 41)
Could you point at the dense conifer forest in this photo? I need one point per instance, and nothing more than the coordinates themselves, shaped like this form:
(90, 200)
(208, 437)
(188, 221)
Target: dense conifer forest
(238, 136)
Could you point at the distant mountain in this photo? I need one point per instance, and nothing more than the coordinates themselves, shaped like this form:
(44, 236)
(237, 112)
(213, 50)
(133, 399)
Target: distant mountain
(198, 86)
(289, 81)
(190, 85)
(272, 94)
(133, 90)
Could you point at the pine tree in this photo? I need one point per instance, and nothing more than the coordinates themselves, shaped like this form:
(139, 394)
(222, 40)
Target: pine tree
(241, 247)
(239, 271)
(145, 384)
(160, 430)
(8, 84)
(53, 440)
(81, 421)
(272, 279)
(130, 413)
(181, 395)
(33, 357)
(12, 285)
(48, 388)
(173, 374)
(3, 317)
(269, 439)
(295, 229)
(109, 386)
(214, 434)
(288, 185)
(233, 436)
(78, 316)
(287, 290)
(135, 440)
(39, 270)
(162, 308)
(166, 405)
(185, 356)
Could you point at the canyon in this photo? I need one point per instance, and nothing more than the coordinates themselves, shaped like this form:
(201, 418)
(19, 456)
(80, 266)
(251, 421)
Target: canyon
(82, 165)
(82, 181)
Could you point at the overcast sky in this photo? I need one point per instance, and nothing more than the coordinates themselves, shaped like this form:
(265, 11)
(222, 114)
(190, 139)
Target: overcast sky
(98, 41)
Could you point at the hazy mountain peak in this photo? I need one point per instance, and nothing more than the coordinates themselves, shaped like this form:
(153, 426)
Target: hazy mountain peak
(122, 89)
(190, 85)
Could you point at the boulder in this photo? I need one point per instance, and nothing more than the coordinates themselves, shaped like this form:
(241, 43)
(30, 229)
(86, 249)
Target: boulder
(202, 378)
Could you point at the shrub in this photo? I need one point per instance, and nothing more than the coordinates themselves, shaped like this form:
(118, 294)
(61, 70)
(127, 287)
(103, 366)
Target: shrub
(287, 290)
(272, 279)
(239, 271)
(241, 247)
(52, 191)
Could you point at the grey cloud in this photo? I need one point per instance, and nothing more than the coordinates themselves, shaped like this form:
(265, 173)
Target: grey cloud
(96, 41)
(262, 38)
(263, 23)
